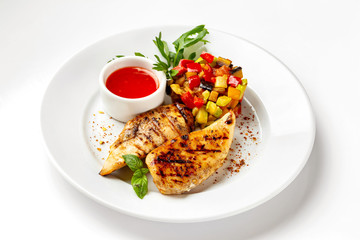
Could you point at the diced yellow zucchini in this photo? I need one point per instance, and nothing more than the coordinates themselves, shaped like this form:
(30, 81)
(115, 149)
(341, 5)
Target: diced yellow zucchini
(180, 81)
(202, 116)
(219, 90)
(234, 93)
(221, 81)
(233, 104)
(205, 95)
(201, 74)
(189, 74)
(195, 110)
(213, 96)
(211, 107)
(176, 89)
(200, 60)
(223, 101)
(238, 73)
(223, 61)
(244, 82)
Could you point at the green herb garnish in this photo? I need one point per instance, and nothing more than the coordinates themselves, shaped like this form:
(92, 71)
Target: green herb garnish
(172, 59)
(139, 180)
(186, 40)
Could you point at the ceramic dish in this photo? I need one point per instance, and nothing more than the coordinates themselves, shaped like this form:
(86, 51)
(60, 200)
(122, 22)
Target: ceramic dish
(276, 109)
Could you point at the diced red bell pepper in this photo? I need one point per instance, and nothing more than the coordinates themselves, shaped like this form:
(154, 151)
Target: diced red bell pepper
(208, 73)
(185, 62)
(194, 81)
(207, 57)
(198, 102)
(180, 70)
(212, 80)
(188, 100)
(194, 67)
(234, 81)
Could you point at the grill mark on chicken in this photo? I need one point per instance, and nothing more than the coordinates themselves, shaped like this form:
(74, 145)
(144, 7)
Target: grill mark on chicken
(185, 137)
(183, 114)
(228, 120)
(172, 161)
(150, 139)
(157, 125)
(202, 150)
(185, 162)
(172, 123)
(163, 115)
(146, 132)
(209, 138)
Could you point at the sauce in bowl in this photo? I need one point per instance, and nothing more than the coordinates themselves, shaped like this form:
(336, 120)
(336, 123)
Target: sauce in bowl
(132, 82)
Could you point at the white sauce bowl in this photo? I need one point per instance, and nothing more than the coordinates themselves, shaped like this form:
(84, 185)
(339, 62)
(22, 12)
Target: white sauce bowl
(124, 109)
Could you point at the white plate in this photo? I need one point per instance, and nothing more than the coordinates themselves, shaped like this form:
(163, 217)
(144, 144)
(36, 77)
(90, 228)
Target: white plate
(285, 134)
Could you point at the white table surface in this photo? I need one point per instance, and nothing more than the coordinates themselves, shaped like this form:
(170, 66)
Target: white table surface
(318, 40)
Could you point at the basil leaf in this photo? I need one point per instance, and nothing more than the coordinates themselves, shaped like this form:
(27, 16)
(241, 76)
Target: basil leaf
(133, 162)
(139, 54)
(139, 182)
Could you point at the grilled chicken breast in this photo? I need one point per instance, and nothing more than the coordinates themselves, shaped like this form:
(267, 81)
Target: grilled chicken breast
(186, 161)
(146, 132)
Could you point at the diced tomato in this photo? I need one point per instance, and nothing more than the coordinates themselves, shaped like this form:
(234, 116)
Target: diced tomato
(188, 100)
(207, 57)
(234, 81)
(180, 70)
(185, 62)
(194, 67)
(198, 102)
(194, 81)
(208, 73)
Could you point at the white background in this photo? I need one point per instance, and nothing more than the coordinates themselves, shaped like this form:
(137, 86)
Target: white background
(318, 40)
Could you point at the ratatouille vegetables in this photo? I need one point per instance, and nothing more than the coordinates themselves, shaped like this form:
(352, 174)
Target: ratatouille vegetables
(210, 86)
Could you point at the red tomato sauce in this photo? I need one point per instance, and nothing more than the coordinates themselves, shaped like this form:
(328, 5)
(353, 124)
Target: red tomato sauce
(132, 82)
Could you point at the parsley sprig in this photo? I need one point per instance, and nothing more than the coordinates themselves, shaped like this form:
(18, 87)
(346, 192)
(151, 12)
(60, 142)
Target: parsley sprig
(172, 59)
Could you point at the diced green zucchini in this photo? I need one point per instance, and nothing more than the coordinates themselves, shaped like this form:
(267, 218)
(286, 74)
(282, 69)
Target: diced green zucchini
(223, 101)
(202, 116)
(221, 81)
(213, 109)
(218, 112)
(242, 88)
